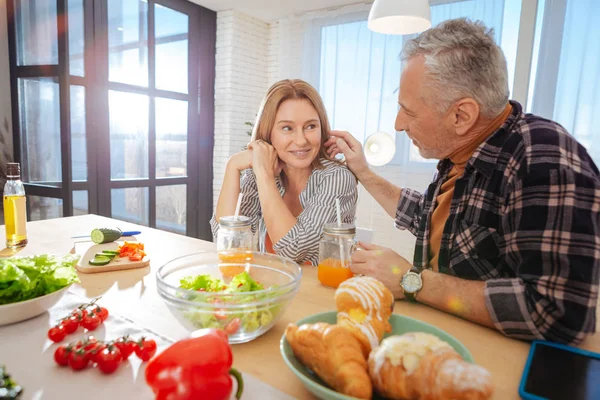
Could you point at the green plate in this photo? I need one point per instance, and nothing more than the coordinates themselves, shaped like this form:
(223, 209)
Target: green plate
(400, 325)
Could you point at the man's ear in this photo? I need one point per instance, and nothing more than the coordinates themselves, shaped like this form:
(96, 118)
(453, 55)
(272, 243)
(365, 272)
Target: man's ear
(465, 113)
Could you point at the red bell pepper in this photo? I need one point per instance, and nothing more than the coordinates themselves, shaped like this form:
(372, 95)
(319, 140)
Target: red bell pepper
(195, 368)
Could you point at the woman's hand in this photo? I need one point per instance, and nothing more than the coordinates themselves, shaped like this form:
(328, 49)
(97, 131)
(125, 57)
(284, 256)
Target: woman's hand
(264, 159)
(241, 161)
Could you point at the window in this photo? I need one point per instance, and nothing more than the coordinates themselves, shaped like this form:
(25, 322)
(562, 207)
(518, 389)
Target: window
(565, 87)
(107, 115)
(360, 70)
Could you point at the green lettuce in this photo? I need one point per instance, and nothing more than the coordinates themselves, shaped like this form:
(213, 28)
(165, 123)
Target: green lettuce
(251, 319)
(24, 278)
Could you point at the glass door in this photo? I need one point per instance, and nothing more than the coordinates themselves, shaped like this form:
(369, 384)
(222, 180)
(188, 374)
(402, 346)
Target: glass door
(149, 96)
(107, 111)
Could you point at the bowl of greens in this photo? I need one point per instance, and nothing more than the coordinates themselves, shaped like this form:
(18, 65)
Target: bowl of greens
(243, 293)
(31, 285)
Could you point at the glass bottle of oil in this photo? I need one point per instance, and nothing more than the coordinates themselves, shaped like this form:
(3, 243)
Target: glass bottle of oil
(15, 216)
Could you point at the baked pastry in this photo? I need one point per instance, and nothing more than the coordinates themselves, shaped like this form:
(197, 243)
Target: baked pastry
(334, 354)
(364, 305)
(422, 366)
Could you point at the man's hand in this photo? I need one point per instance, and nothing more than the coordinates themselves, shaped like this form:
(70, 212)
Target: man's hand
(345, 143)
(382, 264)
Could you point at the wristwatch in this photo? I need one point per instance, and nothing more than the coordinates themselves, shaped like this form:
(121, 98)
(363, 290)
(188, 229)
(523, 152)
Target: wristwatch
(412, 283)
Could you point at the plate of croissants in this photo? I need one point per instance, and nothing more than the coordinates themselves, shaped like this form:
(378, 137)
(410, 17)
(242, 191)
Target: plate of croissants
(364, 351)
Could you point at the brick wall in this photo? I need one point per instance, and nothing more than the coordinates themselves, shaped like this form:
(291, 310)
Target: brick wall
(240, 83)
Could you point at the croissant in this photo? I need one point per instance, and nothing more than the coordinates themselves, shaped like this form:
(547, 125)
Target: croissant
(334, 354)
(421, 366)
(364, 305)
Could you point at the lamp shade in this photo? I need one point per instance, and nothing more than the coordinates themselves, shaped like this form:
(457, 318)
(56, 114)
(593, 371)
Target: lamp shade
(379, 149)
(399, 17)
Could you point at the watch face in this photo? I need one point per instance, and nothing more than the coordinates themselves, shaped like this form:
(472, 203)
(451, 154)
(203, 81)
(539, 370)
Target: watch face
(411, 282)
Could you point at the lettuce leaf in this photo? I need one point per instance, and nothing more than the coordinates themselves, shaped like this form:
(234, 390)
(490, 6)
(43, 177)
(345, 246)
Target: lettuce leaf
(24, 278)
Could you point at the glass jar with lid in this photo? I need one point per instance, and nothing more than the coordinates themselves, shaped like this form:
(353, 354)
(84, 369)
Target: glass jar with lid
(335, 250)
(234, 244)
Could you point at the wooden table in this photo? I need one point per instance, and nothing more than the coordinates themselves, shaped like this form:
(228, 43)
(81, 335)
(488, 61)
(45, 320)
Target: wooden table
(133, 295)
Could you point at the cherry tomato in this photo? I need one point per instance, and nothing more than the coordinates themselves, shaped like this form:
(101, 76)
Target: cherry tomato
(93, 353)
(91, 321)
(145, 349)
(70, 324)
(126, 347)
(80, 313)
(220, 314)
(101, 312)
(109, 359)
(78, 360)
(61, 355)
(232, 326)
(56, 334)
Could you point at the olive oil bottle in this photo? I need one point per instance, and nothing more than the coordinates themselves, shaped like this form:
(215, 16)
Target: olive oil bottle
(15, 215)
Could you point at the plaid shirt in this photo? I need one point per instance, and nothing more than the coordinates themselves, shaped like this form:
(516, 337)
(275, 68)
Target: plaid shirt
(525, 218)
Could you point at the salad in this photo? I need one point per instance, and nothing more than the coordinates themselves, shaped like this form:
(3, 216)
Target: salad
(24, 278)
(232, 321)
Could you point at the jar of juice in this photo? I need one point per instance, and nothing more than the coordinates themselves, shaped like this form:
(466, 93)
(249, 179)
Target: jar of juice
(335, 250)
(234, 244)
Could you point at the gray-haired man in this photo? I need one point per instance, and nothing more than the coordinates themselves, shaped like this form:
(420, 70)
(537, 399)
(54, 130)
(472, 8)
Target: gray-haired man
(508, 232)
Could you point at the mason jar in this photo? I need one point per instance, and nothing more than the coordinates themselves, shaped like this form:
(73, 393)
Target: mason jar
(234, 244)
(335, 251)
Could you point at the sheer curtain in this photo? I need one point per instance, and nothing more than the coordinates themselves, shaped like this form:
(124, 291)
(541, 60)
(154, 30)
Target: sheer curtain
(567, 69)
(360, 70)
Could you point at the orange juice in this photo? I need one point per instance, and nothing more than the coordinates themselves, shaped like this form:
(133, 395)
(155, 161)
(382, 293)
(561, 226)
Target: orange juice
(331, 272)
(237, 257)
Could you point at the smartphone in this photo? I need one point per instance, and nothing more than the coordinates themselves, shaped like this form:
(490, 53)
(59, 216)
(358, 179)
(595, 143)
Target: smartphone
(558, 372)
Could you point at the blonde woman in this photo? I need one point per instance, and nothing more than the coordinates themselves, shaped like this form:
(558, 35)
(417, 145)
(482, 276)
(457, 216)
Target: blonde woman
(290, 184)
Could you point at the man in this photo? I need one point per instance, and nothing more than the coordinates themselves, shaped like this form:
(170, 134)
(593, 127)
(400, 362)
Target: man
(508, 231)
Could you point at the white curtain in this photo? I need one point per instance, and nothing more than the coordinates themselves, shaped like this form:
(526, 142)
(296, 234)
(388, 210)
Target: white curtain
(360, 70)
(567, 84)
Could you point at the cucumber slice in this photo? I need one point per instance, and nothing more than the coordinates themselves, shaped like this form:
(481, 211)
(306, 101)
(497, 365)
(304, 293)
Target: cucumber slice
(110, 252)
(100, 260)
(105, 235)
(103, 254)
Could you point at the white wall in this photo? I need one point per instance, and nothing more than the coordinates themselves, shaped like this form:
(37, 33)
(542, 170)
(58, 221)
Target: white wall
(251, 56)
(240, 83)
(5, 109)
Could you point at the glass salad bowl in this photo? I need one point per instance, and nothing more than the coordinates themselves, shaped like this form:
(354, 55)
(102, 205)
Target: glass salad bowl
(242, 292)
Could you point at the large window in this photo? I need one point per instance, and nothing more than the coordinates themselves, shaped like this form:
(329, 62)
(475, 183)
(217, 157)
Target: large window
(107, 116)
(360, 70)
(565, 73)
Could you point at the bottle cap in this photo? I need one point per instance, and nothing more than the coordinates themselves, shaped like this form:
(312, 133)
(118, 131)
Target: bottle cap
(343, 229)
(13, 170)
(235, 222)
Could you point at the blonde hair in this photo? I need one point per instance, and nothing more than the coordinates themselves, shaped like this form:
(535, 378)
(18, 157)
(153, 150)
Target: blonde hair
(289, 89)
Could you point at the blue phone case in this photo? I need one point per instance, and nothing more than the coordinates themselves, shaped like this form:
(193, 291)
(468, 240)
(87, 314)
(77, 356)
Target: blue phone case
(529, 396)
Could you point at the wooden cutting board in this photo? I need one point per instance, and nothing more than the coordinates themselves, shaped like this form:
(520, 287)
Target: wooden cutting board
(87, 251)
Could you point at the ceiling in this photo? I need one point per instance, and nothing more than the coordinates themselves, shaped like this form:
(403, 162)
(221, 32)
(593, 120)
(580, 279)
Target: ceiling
(268, 10)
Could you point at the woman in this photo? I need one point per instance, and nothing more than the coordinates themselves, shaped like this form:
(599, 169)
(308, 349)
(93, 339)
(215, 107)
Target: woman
(289, 183)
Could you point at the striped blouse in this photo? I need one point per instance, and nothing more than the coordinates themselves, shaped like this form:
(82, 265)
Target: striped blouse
(324, 186)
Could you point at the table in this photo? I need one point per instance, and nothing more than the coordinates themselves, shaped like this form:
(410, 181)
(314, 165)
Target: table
(503, 357)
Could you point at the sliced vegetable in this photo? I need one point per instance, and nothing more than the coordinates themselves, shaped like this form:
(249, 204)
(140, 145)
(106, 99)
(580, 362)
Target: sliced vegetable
(132, 250)
(100, 260)
(105, 235)
(110, 252)
(111, 256)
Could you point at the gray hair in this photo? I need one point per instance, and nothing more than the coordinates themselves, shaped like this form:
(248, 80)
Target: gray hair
(462, 60)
